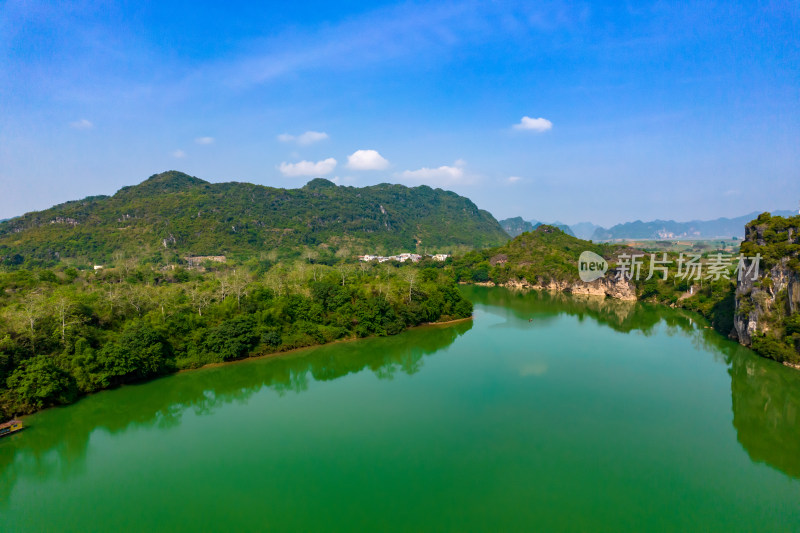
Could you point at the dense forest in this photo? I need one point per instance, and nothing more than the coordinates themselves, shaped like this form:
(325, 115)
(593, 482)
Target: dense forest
(171, 215)
(65, 332)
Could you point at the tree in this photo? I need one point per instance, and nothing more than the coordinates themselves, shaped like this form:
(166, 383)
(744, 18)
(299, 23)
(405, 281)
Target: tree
(200, 298)
(232, 339)
(137, 297)
(410, 275)
(344, 271)
(39, 383)
(64, 309)
(139, 352)
(239, 281)
(32, 310)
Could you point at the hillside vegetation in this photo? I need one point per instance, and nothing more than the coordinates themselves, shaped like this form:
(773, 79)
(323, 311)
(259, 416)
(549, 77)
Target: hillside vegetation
(172, 214)
(539, 256)
(65, 333)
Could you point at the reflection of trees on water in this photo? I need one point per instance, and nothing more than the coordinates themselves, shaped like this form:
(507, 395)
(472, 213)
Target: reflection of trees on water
(544, 306)
(57, 440)
(766, 411)
(765, 394)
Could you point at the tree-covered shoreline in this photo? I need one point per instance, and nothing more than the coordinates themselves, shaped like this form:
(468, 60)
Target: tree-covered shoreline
(65, 333)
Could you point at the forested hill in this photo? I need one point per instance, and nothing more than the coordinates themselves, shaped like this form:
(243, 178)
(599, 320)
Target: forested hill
(173, 214)
(517, 226)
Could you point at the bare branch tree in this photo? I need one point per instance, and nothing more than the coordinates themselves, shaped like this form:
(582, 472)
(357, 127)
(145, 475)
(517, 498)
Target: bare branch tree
(239, 282)
(64, 309)
(344, 271)
(32, 311)
(200, 298)
(410, 275)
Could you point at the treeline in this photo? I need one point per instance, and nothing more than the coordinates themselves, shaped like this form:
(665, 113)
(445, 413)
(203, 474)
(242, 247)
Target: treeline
(65, 332)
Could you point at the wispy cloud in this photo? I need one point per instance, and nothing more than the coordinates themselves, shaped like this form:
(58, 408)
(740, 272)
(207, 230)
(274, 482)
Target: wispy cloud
(534, 124)
(366, 160)
(180, 154)
(204, 140)
(513, 179)
(392, 33)
(82, 124)
(439, 176)
(304, 139)
(308, 168)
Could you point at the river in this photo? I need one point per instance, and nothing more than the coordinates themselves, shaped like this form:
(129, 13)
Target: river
(545, 412)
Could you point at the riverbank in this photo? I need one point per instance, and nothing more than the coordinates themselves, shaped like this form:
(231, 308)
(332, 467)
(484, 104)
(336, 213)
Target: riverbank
(295, 351)
(256, 356)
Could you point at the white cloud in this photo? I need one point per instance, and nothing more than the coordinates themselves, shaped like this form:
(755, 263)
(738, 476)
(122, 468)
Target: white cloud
(180, 154)
(204, 140)
(534, 124)
(443, 175)
(304, 139)
(82, 124)
(308, 168)
(513, 179)
(366, 160)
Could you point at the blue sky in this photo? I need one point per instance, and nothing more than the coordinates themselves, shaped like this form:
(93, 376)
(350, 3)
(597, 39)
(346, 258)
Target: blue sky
(607, 112)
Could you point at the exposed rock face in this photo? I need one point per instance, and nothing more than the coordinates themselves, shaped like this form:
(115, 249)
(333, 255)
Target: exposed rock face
(767, 306)
(760, 299)
(608, 286)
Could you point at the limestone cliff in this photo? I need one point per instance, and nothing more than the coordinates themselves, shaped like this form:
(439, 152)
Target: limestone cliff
(768, 307)
(608, 286)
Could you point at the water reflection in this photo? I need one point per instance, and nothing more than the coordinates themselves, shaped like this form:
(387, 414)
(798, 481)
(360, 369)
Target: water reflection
(765, 395)
(766, 411)
(56, 442)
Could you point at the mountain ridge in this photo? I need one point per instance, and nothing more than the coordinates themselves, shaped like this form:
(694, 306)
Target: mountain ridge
(172, 213)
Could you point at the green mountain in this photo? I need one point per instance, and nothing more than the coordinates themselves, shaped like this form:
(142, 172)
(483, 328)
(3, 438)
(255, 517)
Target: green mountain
(175, 214)
(542, 255)
(516, 226)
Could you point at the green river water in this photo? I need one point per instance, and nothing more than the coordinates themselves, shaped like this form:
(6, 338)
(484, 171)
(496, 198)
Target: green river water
(596, 415)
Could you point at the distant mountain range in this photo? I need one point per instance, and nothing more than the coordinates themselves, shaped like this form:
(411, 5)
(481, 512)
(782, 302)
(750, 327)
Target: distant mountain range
(516, 226)
(173, 213)
(584, 230)
(653, 230)
(669, 229)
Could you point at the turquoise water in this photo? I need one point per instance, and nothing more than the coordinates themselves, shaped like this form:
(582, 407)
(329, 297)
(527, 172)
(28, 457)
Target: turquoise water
(543, 413)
